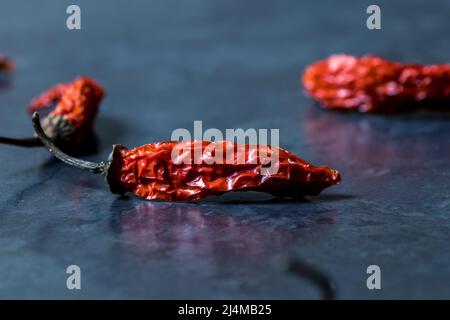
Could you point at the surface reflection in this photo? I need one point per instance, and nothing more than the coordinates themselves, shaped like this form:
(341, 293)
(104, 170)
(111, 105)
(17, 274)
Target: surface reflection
(184, 230)
(377, 143)
(227, 241)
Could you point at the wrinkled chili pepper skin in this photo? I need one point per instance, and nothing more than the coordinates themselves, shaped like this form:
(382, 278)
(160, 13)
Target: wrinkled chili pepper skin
(193, 170)
(149, 172)
(373, 84)
(75, 108)
(5, 64)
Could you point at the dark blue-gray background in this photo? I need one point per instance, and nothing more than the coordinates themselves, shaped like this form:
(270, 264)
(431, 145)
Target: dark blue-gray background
(230, 64)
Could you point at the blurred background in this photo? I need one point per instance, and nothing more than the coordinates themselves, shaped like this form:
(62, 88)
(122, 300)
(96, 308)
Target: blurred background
(231, 64)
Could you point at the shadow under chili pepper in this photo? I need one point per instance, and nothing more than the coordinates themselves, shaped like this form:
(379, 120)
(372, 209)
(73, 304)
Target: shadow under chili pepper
(333, 197)
(90, 145)
(233, 242)
(254, 198)
(436, 110)
(248, 197)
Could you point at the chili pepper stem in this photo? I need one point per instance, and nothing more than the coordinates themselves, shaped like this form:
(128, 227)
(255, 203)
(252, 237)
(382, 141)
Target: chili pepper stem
(22, 142)
(95, 167)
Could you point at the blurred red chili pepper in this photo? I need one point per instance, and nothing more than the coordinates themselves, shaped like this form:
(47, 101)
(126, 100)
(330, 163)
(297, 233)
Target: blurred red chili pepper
(71, 121)
(373, 84)
(48, 97)
(150, 171)
(5, 63)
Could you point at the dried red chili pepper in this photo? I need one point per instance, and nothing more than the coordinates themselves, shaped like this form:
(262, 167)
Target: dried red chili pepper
(373, 84)
(5, 63)
(149, 171)
(48, 98)
(71, 120)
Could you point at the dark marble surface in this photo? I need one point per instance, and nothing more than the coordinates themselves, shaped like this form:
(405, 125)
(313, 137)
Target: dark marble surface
(231, 64)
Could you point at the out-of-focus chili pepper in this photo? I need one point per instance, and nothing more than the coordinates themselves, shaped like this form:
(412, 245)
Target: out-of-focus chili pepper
(373, 84)
(5, 63)
(71, 121)
(151, 172)
(48, 98)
